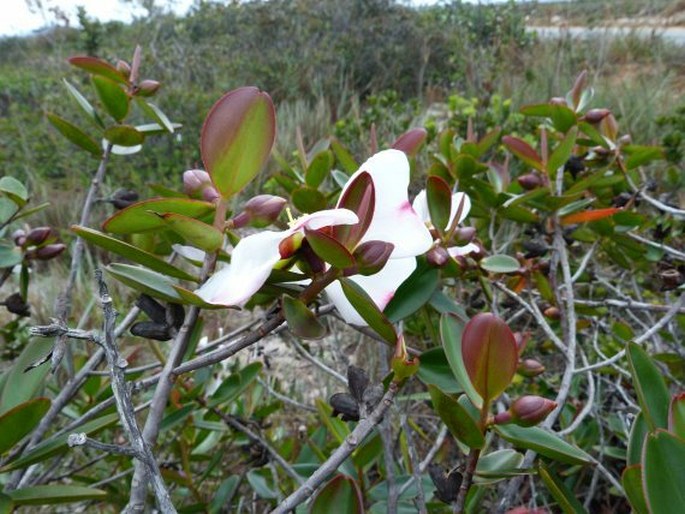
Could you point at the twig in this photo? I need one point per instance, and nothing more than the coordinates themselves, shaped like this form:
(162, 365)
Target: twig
(351, 442)
(630, 305)
(284, 398)
(661, 246)
(81, 439)
(439, 440)
(415, 465)
(469, 472)
(316, 362)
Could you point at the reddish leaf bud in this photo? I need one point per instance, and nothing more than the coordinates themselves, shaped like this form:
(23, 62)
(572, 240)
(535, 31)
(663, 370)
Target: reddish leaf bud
(410, 142)
(148, 87)
(529, 181)
(48, 252)
(552, 312)
(402, 365)
(609, 127)
(39, 235)
(124, 68)
(464, 235)
(19, 237)
(521, 339)
(438, 256)
(596, 115)
(198, 184)
(527, 411)
(260, 211)
(371, 256)
(530, 368)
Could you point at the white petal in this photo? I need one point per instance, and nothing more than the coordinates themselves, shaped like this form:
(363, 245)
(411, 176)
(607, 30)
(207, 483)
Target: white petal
(456, 200)
(252, 260)
(420, 206)
(381, 287)
(454, 251)
(394, 219)
(326, 218)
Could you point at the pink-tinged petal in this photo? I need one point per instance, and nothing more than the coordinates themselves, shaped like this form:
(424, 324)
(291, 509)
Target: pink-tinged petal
(455, 251)
(394, 219)
(326, 218)
(252, 260)
(456, 200)
(381, 287)
(420, 206)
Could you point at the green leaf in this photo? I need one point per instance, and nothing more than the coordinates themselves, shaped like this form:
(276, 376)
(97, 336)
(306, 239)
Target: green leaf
(459, 422)
(20, 420)
(543, 442)
(124, 135)
(15, 190)
(523, 151)
(308, 199)
(319, 168)
(145, 281)
(368, 310)
(434, 369)
(328, 249)
(75, 134)
(676, 415)
(157, 114)
(565, 498)
(237, 137)
(663, 470)
(51, 494)
(652, 393)
(132, 253)
(6, 504)
(23, 385)
(500, 264)
(562, 152)
(142, 217)
(113, 97)
(497, 465)
(10, 255)
(413, 293)
(518, 213)
(83, 103)
(631, 479)
(639, 155)
(235, 385)
(195, 232)
(344, 157)
(563, 117)
(451, 330)
(8, 208)
(256, 479)
(301, 321)
(341, 495)
(439, 197)
(98, 67)
(223, 494)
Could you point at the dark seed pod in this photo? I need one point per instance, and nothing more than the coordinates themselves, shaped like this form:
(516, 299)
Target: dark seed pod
(671, 279)
(372, 396)
(534, 248)
(151, 330)
(123, 198)
(175, 315)
(152, 308)
(357, 382)
(574, 165)
(16, 305)
(345, 404)
(446, 484)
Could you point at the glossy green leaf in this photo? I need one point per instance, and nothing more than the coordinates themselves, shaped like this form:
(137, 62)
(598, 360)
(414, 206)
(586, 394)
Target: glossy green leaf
(563, 117)
(565, 498)
(98, 67)
(498, 465)
(341, 495)
(20, 420)
(113, 97)
(330, 250)
(319, 168)
(83, 103)
(308, 199)
(676, 415)
(562, 152)
(434, 369)
(413, 293)
(237, 137)
(195, 232)
(124, 135)
(132, 253)
(156, 114)
(439, 197)
(500, 264)
(631, 479)
(543, 442)
(145, 281)
(652, 393)
(235, 385)
(368, 310)
(301, 321)
(52, 494)
(523, 151)
(451, 331)
(459, 422)
(142, 216)
(663, 472)
(15, 190)
(75, 134)
(23, 385)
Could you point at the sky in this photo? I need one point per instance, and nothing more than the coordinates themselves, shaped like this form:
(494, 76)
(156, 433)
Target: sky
(19, 19)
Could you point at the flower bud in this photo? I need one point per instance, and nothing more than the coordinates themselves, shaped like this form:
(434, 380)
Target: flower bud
(521, 339)
(19, 237)
(39, 235)
(148, 87)
(438, 256)
(529, 181)
(527, 411)
(124, 68)
(50, 251)
(609, 127)
(596, 115)
(198, 184)
(123, 198)
(371, 256)
(464, 235)
(16, 305)
(552, 312)
(260, 211)
(530, 368)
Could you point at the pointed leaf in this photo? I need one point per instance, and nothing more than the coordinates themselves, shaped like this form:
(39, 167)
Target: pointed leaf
(22, 384)
(636, 441)
(341, 495)
(434, 369)
(156, 114)
(523, 151)
(585, 216)
(562, 152)
(83, 103)
(498, 464)
(307, 199)
(411, 141)
(543, 442)
(459, 422)
(631, 479)
(344, 157)
(652, 393)
(6, 504)
(235, 385)
(565, 498)
(439, 197)
(360, 198)
(237, 137)
(301, 321)
(451, 331)
(329, 249)
(20, 420)
(413, 293)
(676, 415)
(319, 168)
(145, 281)
(15, 190)
(52, 494)
(98, 67)
(195, 232)
(132, 253)
(663, 472)
(113, 97)
(500, 264)
(141, 217)
(368, 310)
(124, 135)
(75, 134)
(639, 155)
(563, 117)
